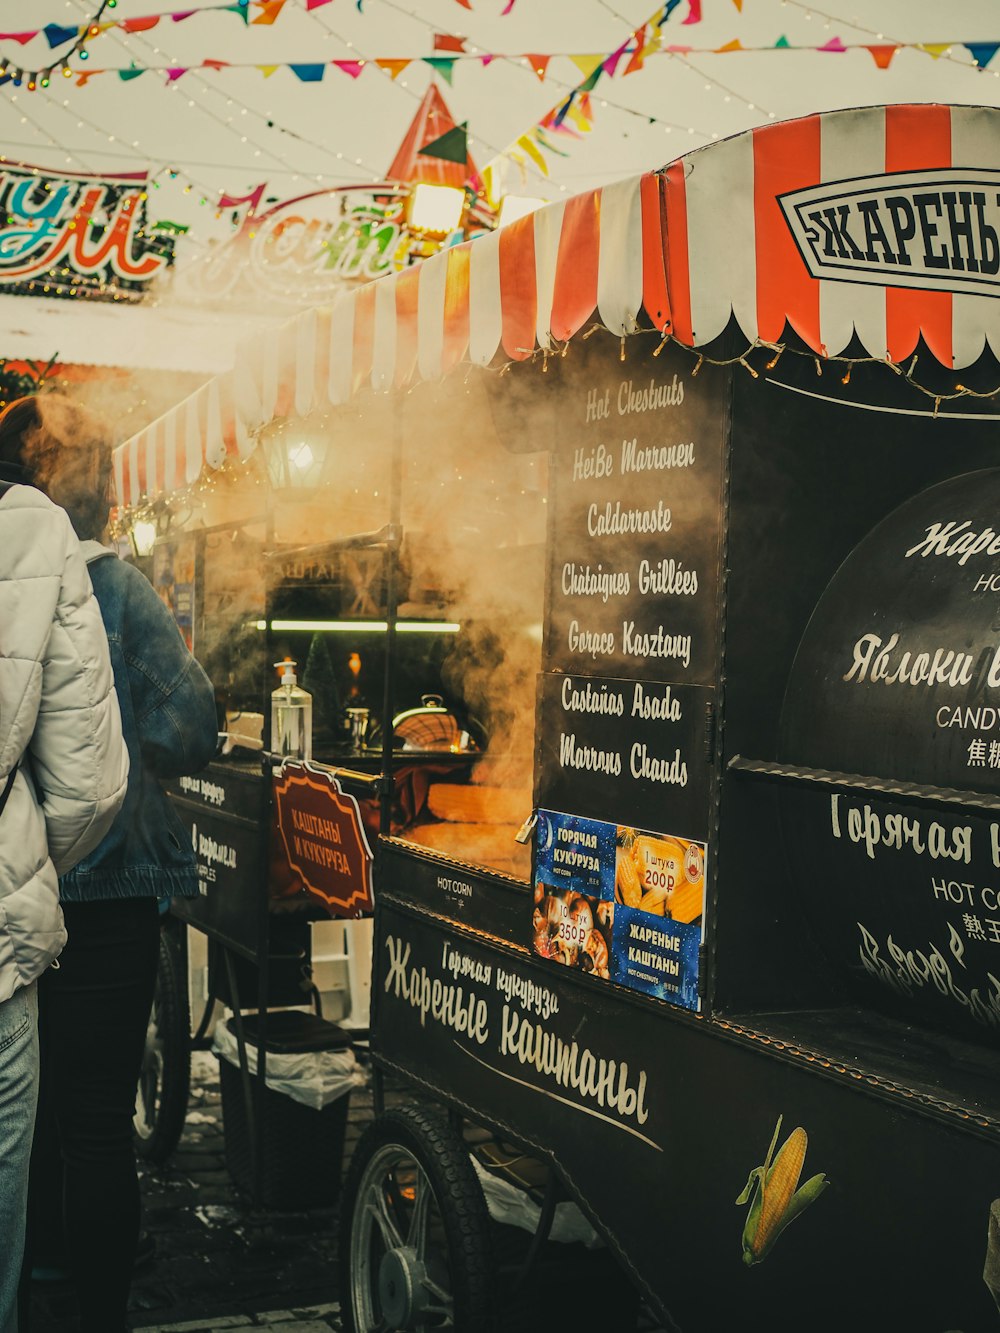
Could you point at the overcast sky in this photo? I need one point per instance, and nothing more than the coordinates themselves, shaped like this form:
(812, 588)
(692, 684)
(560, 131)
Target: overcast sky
(231, 129)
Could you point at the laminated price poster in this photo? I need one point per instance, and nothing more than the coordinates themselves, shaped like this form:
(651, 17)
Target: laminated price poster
(622, 904)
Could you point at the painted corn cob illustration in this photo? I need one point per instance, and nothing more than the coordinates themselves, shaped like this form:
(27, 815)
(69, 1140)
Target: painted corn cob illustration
(774, 1194)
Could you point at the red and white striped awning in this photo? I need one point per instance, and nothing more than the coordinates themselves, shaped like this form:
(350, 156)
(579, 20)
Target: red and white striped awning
(878, 222)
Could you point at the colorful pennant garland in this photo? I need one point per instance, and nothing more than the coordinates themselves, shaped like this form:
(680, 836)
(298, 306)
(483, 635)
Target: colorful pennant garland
(624, 60)
(628, 58)
(58, 34)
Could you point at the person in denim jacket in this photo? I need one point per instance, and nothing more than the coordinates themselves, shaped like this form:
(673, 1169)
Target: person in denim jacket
(94, 1011)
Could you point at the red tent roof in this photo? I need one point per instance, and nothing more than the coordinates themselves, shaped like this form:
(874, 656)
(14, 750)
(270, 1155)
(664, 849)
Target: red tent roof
(432, 120)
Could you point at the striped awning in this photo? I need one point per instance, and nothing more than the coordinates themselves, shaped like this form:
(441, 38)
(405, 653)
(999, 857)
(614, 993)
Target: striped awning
(882, 222)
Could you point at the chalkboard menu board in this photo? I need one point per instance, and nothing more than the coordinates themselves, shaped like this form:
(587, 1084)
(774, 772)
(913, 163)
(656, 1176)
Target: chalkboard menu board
(626, 701)
(637, 517)
(626, 751)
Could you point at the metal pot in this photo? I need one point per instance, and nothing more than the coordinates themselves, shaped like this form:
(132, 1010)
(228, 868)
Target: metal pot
(430, 727)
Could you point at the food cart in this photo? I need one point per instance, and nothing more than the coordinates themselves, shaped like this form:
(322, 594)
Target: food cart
(703, 467)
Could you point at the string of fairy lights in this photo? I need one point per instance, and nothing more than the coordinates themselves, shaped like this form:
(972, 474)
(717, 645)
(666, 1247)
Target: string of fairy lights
(249, 468)
(41, 77)
(224, 122)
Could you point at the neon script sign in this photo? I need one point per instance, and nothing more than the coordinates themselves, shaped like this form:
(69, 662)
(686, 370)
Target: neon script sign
(304, 250)
(67, 232)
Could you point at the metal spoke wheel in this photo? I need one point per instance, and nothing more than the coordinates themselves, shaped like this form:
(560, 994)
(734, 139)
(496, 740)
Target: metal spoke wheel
(414, 1243)
(162, 1094)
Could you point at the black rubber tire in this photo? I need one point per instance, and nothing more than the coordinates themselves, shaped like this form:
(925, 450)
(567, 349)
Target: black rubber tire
(165, 1078)
(426, 1137)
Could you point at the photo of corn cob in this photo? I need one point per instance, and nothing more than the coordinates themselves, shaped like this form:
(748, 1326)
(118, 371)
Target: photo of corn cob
(660, 874)
(774, 1193)
(628, 888)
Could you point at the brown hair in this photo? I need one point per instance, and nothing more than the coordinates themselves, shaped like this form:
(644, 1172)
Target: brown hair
(49, 441)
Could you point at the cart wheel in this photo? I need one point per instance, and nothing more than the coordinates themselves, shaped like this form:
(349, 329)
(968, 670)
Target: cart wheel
(414, 1245)
(162, 1094)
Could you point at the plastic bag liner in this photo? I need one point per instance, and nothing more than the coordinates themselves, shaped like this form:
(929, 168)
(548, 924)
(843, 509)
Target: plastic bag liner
(313, 1078)
(512, 1207)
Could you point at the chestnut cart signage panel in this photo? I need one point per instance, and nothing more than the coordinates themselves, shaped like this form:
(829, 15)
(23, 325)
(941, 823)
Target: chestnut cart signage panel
(626, 751)
(917, 894)
(321, 848)
(663, 1125)
(469, 895)
(636, 518)
(625, 712)
(223, 808)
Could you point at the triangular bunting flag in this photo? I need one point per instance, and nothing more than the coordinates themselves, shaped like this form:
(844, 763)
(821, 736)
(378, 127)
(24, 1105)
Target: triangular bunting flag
(549, 147)
(882, 55)
(173, 73)
(532, 150)
(587, 64)
(308, 73)
(239, 9)
(486, 60)
(269, 10)
(268, 70)
(834, 44)
(611, 64)
(57, 34)
(668, 9)
(126, 74)
(581, 121)
(139, 25)
(215, 64)
(444, 41)
(739, 5)
(781, 42)
(442, 65)
(639, 37)
(694, 14)
(539, 64)
(181, 14)
(315, 4)
(21, 37)
(464, 3)
(508, 7)
(84, 76)
(453, 146)
(934, 49)
(734, 45)
(559, 115)
(351, 67)
(393, 67)
(591, 82)
(981, 52)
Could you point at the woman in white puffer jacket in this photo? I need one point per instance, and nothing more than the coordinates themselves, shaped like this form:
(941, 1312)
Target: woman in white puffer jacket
(61, 729)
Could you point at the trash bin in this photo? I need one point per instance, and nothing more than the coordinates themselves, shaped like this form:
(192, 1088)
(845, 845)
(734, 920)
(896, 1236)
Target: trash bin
(310, 1074)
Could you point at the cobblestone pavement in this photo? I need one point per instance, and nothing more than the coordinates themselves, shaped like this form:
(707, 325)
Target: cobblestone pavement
(221, 1264)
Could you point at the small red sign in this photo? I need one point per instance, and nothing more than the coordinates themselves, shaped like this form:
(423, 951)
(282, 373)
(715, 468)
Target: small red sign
(323, 838)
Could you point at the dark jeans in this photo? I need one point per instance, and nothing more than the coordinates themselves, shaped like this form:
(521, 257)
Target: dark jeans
(83, 1193)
